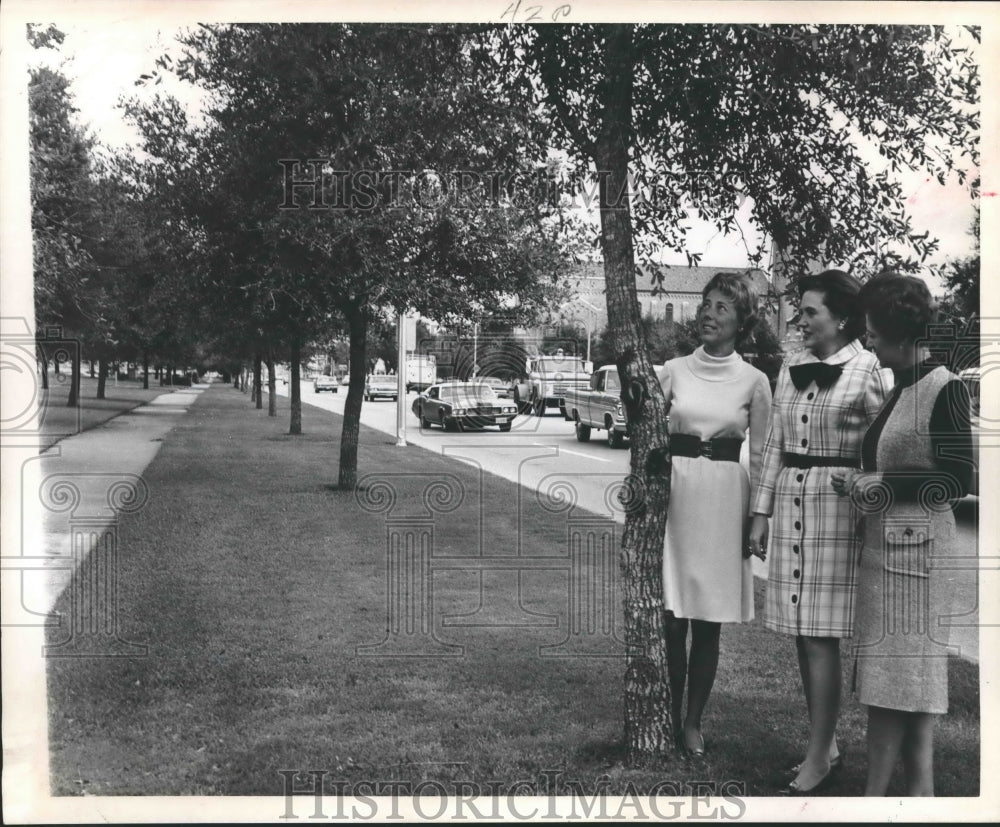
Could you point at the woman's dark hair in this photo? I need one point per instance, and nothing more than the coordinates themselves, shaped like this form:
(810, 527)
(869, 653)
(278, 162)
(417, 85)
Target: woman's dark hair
(899, 307)
(840, 295)
(744, 296)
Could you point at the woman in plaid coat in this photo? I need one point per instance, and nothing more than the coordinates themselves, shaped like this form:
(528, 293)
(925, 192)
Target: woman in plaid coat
(826, 396)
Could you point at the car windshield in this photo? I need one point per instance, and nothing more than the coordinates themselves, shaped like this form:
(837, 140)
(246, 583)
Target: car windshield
(554, 363)
(612, 382)
(468, 394)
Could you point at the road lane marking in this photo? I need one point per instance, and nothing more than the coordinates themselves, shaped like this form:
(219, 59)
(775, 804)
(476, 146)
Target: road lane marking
(562, 450)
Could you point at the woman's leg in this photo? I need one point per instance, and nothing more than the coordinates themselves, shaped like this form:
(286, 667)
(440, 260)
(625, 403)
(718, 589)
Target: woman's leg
(918, 753)
(800, 651)
(676, 628)
(886, 728)
(822, 656)
(702, 666)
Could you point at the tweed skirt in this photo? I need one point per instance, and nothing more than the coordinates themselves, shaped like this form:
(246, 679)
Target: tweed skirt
(906, 595)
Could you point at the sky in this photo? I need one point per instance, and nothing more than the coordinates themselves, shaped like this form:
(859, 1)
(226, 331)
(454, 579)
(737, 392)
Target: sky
(105, 56)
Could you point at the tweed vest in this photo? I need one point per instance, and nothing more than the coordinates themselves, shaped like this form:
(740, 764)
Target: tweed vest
(904, 532)
(905, 442)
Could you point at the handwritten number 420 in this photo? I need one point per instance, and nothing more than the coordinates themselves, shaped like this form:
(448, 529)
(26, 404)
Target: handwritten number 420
(534, 13)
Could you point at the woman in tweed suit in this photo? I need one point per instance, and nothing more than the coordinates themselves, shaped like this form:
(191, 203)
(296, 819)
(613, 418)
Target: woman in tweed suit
(917, 460)
(826, 396)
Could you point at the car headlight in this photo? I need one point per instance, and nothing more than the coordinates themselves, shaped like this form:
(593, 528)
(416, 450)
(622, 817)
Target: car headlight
(459, 411)
(510, 410)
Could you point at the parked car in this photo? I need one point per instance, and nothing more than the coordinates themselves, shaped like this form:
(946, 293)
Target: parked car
(325, 383)
(970, 377)
(502, 389)
(458, 405)
(381, 386)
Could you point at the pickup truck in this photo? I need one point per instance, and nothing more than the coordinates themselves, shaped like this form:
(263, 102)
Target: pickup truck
(546, 380)
(599, 406)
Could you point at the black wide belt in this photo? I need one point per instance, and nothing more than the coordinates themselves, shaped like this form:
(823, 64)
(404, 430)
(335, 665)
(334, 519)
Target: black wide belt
(720, 449)
(816, 461)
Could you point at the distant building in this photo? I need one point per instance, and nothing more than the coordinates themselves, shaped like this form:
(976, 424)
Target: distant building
(675, 299)
(785, 328)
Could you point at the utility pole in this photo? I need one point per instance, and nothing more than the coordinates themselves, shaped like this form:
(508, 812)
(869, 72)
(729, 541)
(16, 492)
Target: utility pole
(475, 348)
(401, 380)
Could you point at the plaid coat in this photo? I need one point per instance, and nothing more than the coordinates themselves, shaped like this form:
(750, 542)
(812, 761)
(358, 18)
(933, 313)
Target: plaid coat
(813, 542)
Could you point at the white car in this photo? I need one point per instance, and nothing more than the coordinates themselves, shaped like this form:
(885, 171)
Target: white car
(381, 386)
(325, 383)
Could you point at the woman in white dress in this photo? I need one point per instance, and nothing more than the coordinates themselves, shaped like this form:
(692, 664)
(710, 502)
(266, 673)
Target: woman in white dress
(714, 398)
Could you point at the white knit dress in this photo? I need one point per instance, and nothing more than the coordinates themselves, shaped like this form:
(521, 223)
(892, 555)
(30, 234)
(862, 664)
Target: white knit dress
(705, 576)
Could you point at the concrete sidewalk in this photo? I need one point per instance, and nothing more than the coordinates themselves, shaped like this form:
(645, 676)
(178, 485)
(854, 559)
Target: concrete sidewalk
(84, 483)
(61, 505)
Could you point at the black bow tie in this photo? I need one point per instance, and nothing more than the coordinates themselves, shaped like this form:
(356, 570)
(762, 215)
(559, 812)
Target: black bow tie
(821, 373)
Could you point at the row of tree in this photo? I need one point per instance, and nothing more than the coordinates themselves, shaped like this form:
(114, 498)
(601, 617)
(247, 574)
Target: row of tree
(315, 193)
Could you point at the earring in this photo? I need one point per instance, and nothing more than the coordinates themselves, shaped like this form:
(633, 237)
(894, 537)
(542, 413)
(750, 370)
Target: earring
(841, 326)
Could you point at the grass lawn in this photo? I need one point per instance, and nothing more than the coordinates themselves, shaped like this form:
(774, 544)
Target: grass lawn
(58, 421)
(253, 582)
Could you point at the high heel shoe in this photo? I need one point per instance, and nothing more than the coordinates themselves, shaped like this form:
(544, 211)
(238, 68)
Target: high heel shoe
(836, 763)
(696, 751)
(793, 788)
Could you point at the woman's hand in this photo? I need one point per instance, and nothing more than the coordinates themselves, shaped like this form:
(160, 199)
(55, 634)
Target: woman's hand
(842, 482)
(757, 539)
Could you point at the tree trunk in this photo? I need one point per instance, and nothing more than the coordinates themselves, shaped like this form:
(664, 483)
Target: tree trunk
(145, 371)
(357, 321)
(257, 361)
(44, 361)
(102, 377)
(295, 426)
(92, 369)
(170, 374)
(272, 396)
(74, 380)
(647, 690)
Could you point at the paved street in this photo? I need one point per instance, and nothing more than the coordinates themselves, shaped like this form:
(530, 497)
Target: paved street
(540, 453)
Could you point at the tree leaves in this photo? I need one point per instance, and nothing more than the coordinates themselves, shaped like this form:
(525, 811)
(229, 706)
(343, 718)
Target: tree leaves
(781, 115)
